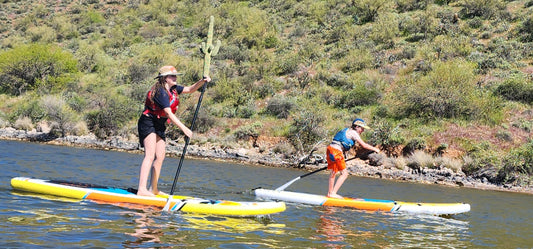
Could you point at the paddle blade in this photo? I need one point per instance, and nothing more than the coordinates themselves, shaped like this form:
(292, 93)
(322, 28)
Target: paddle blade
(288, 184)
(166, 208)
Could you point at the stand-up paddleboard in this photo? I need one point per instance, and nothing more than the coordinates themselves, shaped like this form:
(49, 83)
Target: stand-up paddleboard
(80, 191)
(365, 204)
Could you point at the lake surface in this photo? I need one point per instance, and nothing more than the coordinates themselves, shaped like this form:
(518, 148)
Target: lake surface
(497, 219)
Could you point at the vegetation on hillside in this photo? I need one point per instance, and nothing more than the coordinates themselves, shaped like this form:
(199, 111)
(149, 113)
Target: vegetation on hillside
(426, 74)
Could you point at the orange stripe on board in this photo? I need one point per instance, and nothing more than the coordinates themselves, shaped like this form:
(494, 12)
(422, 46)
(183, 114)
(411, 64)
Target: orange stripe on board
(116, 198)
(354, 203)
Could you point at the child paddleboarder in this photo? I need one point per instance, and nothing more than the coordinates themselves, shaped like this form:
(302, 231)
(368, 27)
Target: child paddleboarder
(343, 141)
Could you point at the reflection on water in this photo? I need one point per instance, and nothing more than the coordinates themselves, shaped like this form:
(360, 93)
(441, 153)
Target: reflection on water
(146, 231)
(432, 232)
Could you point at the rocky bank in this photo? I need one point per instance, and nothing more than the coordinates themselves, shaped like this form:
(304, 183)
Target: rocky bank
(358, 167)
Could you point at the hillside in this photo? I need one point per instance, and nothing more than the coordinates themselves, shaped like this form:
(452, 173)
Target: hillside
(443, 84)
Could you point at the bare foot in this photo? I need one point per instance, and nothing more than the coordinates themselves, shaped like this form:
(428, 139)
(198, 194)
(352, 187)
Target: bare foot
(159, 192)
(335, 196)
(144, 193)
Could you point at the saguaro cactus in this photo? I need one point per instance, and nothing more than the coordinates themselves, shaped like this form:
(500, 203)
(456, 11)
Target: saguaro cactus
(208, 49)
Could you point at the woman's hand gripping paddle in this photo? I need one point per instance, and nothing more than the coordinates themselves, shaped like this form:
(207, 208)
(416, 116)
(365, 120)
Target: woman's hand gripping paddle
(208, 50)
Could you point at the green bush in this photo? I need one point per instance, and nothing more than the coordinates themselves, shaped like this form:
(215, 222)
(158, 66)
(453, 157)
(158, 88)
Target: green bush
(385, 29)
(30, 107)
(248, 131)
(280, 106)
(525, 30)
(36, 67)
(518, 166)
(306, 128)
(58, 111)
(368, 10)
(516, 89)
(410, 5)
(355, 60)
(387, 136)
(361, 95)
(414, 145)
(448, 91)
(112, 112)
(481, 8)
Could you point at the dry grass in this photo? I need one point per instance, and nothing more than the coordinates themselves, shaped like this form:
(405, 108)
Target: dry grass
(24, 123)
(420, 159)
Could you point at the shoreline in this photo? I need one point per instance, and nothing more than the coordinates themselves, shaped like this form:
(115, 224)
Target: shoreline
(357, 167)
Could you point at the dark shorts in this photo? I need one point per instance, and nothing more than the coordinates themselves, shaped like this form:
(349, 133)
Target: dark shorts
(148, 124)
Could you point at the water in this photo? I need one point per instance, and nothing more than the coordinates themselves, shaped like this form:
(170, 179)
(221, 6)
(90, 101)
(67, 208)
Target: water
(497, 219)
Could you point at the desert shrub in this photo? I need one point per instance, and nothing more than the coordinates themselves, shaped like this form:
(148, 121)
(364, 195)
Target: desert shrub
(385, 29)
(248, 26)
(226, 89)
(481, 8)
(387, 136)
(75, 101)
(35, 66)
(448, 47)
(356, 59)
(419, 160)
(23, 123)
(251, 131)
(449, 163)
(30, 107)
(284, 148)
(475, 22)
(3, 121)
(448, 91)
(288, 64)
(480, 156)
(449, 22)
(111, 114)
(64, 29)
(410, 5)
(79, 129)
(368, 10)
(396, 162)
(44, 34)
(234, 52)
(509, 51)
(335, 79)
(525, 29)
(58, 111)
(414, 145)
(204, 121)
(280, 106)
(91, 58)
(361, 95)
(518, 166)
(306, 128)
(516, 88)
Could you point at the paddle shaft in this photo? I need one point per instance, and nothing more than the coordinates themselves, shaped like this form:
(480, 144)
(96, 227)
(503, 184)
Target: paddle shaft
(284, 186)
(187, 139)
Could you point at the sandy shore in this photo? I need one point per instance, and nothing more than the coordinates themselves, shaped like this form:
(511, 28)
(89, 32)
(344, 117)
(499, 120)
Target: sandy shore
(357, 167)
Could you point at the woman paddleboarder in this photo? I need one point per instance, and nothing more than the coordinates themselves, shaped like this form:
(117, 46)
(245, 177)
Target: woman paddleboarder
(160, 107)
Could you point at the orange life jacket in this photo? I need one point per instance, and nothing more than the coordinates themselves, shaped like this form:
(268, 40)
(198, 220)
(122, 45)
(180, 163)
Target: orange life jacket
(151, 107)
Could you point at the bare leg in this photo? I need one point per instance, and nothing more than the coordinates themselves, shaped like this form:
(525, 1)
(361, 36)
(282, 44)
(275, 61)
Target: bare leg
(338, 184)
(158, 163)
(149, 155)
(331, 183)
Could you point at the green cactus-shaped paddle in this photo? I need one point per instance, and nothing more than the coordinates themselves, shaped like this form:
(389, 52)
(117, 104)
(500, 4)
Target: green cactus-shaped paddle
(208, 49)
